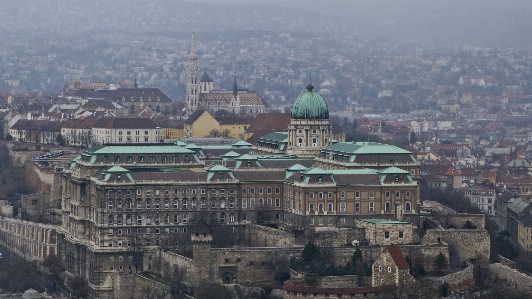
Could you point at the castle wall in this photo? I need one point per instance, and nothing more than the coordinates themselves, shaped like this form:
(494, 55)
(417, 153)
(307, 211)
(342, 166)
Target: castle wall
(464, 244)
(38, 179)
(521, 281)
(336, 237)
(458, 220)
(263, 236)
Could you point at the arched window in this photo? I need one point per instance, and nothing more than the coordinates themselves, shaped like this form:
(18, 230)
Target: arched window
(311, 207)
(222, 204)
(119, 219)
(176, 218)
(128, 219)
(330, 207)
(222, 217)
(119, 204)
(231, 218)
(387, 206)
(407, 206)
(213, 203)
(128, 204)
(110, 219)
(320, 207)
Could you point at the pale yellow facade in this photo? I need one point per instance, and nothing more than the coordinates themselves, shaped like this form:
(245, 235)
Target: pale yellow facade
(172, 133)
(202, 127)
(524, 236)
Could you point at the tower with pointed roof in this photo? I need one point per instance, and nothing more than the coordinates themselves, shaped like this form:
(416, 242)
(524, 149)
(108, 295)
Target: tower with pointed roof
(192, 79)
(206, 84)
(310, 129)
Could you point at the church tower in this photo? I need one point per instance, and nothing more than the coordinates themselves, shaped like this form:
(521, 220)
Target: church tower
(234, 105)
(309, 130)
(192, 79)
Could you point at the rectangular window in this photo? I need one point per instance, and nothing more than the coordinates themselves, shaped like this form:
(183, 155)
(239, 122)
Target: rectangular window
(329, 195)
(357, 206)
(342, 206)
(261, 190)
(386, 235)
(110, 232)
(401, 234)
(244, 191)
(252, 190)
(408, 194)
(277, 190)
(387, 194)
(357, 194)
(342, 194)
(148, 230)
(252, 203)
(277, 202)
(244, 203)
(371, 206)
(371, 194)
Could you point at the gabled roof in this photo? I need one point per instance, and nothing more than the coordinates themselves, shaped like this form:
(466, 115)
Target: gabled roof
(194, 117)
(397, 256)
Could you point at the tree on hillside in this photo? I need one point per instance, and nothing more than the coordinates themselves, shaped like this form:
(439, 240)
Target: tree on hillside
(78, 286)
(441, 263)
(310, 253)
(53, 263)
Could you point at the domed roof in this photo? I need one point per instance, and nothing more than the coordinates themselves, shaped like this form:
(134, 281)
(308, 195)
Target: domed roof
(310, 105)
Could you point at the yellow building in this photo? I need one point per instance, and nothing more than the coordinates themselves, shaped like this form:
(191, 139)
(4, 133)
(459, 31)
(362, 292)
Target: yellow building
(524, 232)
(202, 124)
(233, 127)
(172, 129)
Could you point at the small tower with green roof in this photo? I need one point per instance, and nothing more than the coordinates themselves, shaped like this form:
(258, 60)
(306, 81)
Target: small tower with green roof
(309, 130)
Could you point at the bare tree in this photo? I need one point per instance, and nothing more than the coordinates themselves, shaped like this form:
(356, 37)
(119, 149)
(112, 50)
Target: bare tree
(137, 252)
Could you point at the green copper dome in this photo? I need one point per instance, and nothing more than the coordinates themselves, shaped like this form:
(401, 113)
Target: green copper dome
(310, 105)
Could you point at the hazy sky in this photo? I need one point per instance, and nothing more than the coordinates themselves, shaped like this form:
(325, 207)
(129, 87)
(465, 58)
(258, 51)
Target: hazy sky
(440, 22)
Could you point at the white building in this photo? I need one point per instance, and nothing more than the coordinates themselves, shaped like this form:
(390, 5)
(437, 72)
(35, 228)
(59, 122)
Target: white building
(125, 130)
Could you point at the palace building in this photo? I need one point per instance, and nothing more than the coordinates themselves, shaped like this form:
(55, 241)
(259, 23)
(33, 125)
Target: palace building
(121, 203)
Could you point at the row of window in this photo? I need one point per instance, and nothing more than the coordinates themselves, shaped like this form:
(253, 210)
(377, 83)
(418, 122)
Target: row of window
(110, 192)
(166, 203)
(330, 207)
(357, 194)
(269, 202)
(261, 190)
(136, 132)
(157, 219)
(140, 159)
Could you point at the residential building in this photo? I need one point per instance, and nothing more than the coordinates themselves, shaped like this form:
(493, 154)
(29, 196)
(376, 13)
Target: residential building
(125, 130)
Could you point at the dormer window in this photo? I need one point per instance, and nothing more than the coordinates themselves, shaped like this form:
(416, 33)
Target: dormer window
(118, 176)
(221, 174)
(319, 178)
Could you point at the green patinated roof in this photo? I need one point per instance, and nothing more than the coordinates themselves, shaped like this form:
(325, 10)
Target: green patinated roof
(275, 137)
(117, 169)
(231, 154)
(241, 143)
(218, 168)
(365, 148)
(384, 221)
(180, 143)
(310, 105)
(393, 170)
(138, 149)
(317, 171)
(296, 167)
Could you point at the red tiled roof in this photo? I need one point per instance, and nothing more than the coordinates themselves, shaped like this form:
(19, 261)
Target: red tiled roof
(397, 256)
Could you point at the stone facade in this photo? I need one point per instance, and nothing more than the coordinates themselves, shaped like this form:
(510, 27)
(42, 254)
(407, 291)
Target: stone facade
(390, 268)
(460, 243)
(32, 241)
(386, 232)
(458, 220)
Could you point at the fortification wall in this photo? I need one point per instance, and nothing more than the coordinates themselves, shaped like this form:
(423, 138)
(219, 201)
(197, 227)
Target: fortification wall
(458, 220)
(464, 244)
(39, 180)
(330, 237)
(515, 278)
(248, 264)
(183, 263)
(262, 236)
(453, 278)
